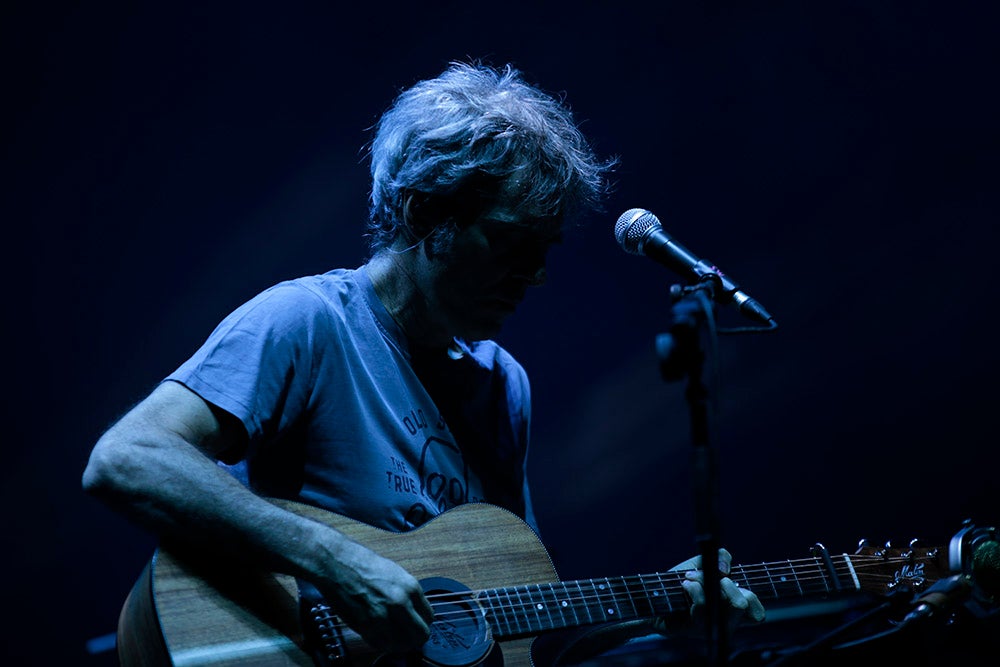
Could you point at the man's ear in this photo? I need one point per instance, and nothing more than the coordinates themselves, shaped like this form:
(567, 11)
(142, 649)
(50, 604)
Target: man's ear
(420, 216)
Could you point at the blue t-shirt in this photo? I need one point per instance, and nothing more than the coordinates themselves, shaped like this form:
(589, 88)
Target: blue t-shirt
(341, 413)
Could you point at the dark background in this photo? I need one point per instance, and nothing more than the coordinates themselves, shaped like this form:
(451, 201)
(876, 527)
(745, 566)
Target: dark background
(840, 159)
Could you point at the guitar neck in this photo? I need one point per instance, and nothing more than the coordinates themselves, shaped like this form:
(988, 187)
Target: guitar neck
(530, 610)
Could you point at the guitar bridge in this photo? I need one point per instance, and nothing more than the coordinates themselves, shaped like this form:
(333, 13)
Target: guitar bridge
(321, 628)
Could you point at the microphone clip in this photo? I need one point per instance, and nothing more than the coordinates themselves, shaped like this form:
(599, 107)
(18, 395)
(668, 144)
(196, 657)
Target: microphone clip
(709, 284)
(942, 598)
(679, 350)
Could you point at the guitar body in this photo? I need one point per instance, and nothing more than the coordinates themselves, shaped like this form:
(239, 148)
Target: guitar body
(490, 581)
(183, 612)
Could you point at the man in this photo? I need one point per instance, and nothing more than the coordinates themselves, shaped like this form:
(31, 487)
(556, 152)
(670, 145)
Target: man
(375, 392)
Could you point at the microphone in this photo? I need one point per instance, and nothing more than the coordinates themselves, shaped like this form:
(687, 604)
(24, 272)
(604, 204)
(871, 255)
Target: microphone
(985, 566)
(981, 577)
(944, 595)
(639, 232)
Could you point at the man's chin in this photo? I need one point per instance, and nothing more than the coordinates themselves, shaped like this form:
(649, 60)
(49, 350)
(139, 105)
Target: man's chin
(483, 329)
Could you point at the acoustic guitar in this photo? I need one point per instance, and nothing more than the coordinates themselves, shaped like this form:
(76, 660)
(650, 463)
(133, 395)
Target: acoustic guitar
(490, 581)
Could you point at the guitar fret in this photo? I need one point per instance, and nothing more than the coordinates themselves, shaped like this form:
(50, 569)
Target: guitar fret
(544, 605)
(770, 579)
(669, 588)
(592, 598)
(630, 596)
(595, 601)
(796, 577)
(524, 607)
(661, 595)
(583, 602)
(646, 596)
(659, 598)
(819, 574)
(781, 584)
(677, 591)
(495, 613)
(493, 616)
(740, 571)
(512, 607)
(642, 595)
(563, 605)
(828, 585)
(611, 611)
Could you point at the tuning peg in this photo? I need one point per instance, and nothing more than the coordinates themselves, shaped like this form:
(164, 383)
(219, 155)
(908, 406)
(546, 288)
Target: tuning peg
(884, 551)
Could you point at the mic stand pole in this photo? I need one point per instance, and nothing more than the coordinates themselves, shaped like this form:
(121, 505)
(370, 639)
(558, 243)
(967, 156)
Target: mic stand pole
(682, 355)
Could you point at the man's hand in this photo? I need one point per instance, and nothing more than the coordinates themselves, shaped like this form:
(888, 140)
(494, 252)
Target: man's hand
(742, 604)
(378, 599)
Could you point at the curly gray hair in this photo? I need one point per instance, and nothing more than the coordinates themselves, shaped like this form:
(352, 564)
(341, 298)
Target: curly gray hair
(475, 133)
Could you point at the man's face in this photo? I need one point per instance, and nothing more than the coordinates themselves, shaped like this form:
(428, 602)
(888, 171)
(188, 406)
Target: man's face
(481, 280)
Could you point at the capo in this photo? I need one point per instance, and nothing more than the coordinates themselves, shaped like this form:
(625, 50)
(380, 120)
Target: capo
(828, 562)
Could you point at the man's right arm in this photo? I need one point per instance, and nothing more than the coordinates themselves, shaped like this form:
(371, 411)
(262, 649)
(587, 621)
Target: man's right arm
(157, 465)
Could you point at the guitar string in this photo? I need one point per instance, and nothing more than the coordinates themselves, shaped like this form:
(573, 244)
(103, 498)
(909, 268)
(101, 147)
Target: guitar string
(673, 577)
(770, 573)
(658, 578)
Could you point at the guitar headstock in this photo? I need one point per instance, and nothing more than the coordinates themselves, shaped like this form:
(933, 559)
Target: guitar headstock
(911, 569)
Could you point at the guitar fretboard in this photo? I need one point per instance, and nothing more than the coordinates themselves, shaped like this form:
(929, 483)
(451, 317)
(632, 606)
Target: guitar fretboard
(532, 609)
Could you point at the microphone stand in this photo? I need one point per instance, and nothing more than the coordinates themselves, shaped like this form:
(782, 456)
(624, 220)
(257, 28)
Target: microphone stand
(681, 355)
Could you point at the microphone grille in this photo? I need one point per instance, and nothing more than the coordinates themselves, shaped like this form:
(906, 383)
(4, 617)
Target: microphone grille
(632, 227)
(986, 566)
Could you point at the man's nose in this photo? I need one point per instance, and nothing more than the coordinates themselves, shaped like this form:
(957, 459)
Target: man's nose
(532, 277)
(531, 267)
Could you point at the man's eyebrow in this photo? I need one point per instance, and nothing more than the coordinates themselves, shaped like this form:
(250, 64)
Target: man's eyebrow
(541, 229)
(530, 234)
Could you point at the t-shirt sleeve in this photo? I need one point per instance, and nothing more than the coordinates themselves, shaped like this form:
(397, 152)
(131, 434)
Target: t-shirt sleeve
(258, 362)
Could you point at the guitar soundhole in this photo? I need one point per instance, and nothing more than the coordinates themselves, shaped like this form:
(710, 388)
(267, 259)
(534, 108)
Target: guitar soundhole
(460, 634)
